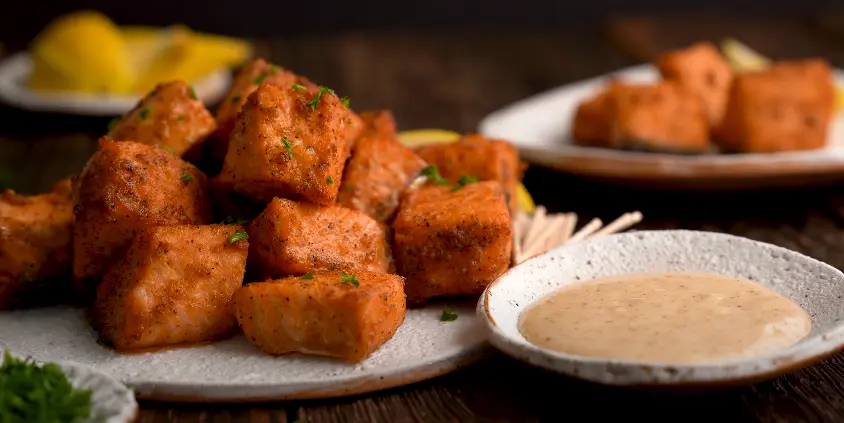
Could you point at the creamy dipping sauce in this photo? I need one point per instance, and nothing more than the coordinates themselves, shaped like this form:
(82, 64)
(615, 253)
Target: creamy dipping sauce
(665, 317)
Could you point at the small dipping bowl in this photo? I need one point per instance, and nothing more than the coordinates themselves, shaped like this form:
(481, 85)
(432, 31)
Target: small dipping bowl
(813, 285)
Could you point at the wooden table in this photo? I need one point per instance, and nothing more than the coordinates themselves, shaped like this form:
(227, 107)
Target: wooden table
(451, 80)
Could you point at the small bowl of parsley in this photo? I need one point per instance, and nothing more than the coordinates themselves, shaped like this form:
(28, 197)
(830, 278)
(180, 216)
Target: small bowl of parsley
(32, 392)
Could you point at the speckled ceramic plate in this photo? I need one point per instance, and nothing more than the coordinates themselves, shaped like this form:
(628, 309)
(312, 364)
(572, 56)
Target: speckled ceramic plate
(15, 70)
(234, 370)
(540, 127)
(815, 286)
(111, 401)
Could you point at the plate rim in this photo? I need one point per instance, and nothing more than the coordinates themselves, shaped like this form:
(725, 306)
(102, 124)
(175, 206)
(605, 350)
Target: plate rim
(806, 352)
(211, 89)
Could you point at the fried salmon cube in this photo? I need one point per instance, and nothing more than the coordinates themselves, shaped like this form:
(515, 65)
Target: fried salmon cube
(170, 116)
(290, 238)
(343, 315)
(479, 157)
(451, 242)
(702, 70)
(379, 170)
(591, 123)
(378, 122)
(247, 80)
(288, 143)
(660, 116)
(174, 286)
(784, 108)
(125, 187)
(35, 253)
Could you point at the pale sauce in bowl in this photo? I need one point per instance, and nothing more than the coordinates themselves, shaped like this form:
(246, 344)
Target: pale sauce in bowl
(674, 317)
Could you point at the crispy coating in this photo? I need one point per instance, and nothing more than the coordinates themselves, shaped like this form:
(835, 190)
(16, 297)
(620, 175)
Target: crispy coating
(591, 123)
(327, 315)
(295, 238)
(659, 116)
(787, 107)
(452, 242)
(379, 170)
(124, 187)
(702, 70)
(169, 116)
(288, 144)
(247, 80)
(173, 286)
(35, 253)
(474, 155)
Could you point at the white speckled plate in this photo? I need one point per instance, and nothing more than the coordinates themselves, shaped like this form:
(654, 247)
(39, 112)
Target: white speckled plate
(540, 126)
(815, 286)
(111, 401)
(15, 70)
(234, 370)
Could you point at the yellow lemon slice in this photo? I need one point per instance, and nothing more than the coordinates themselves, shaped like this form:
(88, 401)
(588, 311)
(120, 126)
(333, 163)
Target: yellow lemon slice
(524, 201)
(82, 51)
(419, 137)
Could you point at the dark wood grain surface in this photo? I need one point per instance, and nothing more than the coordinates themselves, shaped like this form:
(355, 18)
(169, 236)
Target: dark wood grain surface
(451, 80)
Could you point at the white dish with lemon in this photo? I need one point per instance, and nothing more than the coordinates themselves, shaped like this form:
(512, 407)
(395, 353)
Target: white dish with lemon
(83, 63)
(541, 128)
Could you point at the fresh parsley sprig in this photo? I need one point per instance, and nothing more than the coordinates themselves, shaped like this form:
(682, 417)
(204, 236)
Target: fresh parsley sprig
(448, 315)
(317, 97)
(30, 393)
(350, 279)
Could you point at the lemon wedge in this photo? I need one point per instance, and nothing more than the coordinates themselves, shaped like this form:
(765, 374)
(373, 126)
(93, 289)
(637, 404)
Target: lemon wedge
(743, 59)
(82, 51)
(419, 137)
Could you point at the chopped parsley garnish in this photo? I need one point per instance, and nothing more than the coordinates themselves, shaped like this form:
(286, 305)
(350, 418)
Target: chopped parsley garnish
(349, 188)
(350, 279)
(318, 96)
(464, 180)
(433, 173)
(237, 236)
(167, 149)
(33, 393)
(234, 220)
(346, 101)
(112, 123)
(260, 78)
(144, 112)
(298, 87)
(274, 69)
(235, 99)
(329, 180)
(287, 146)
(186, 177)
(307, 276)
(193, 93)
(180, 118)
(448, 315)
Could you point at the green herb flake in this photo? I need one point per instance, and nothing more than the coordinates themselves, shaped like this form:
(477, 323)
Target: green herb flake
(235, 99)
(192, 93)
(298, 87)
(231, 220)
(318, 96)
(448, 315)
(180, 118)
(167, 149)
(329, 180)
(33, 393)
(237, 236)
(112, 123)
(186, 177)
(349, 188)
(307, 276)
(433, 174)
(346, 101)
(287, 146)
(464, 180)
(350, 279)
(144, 113)
(260, 78)
(274, 69)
